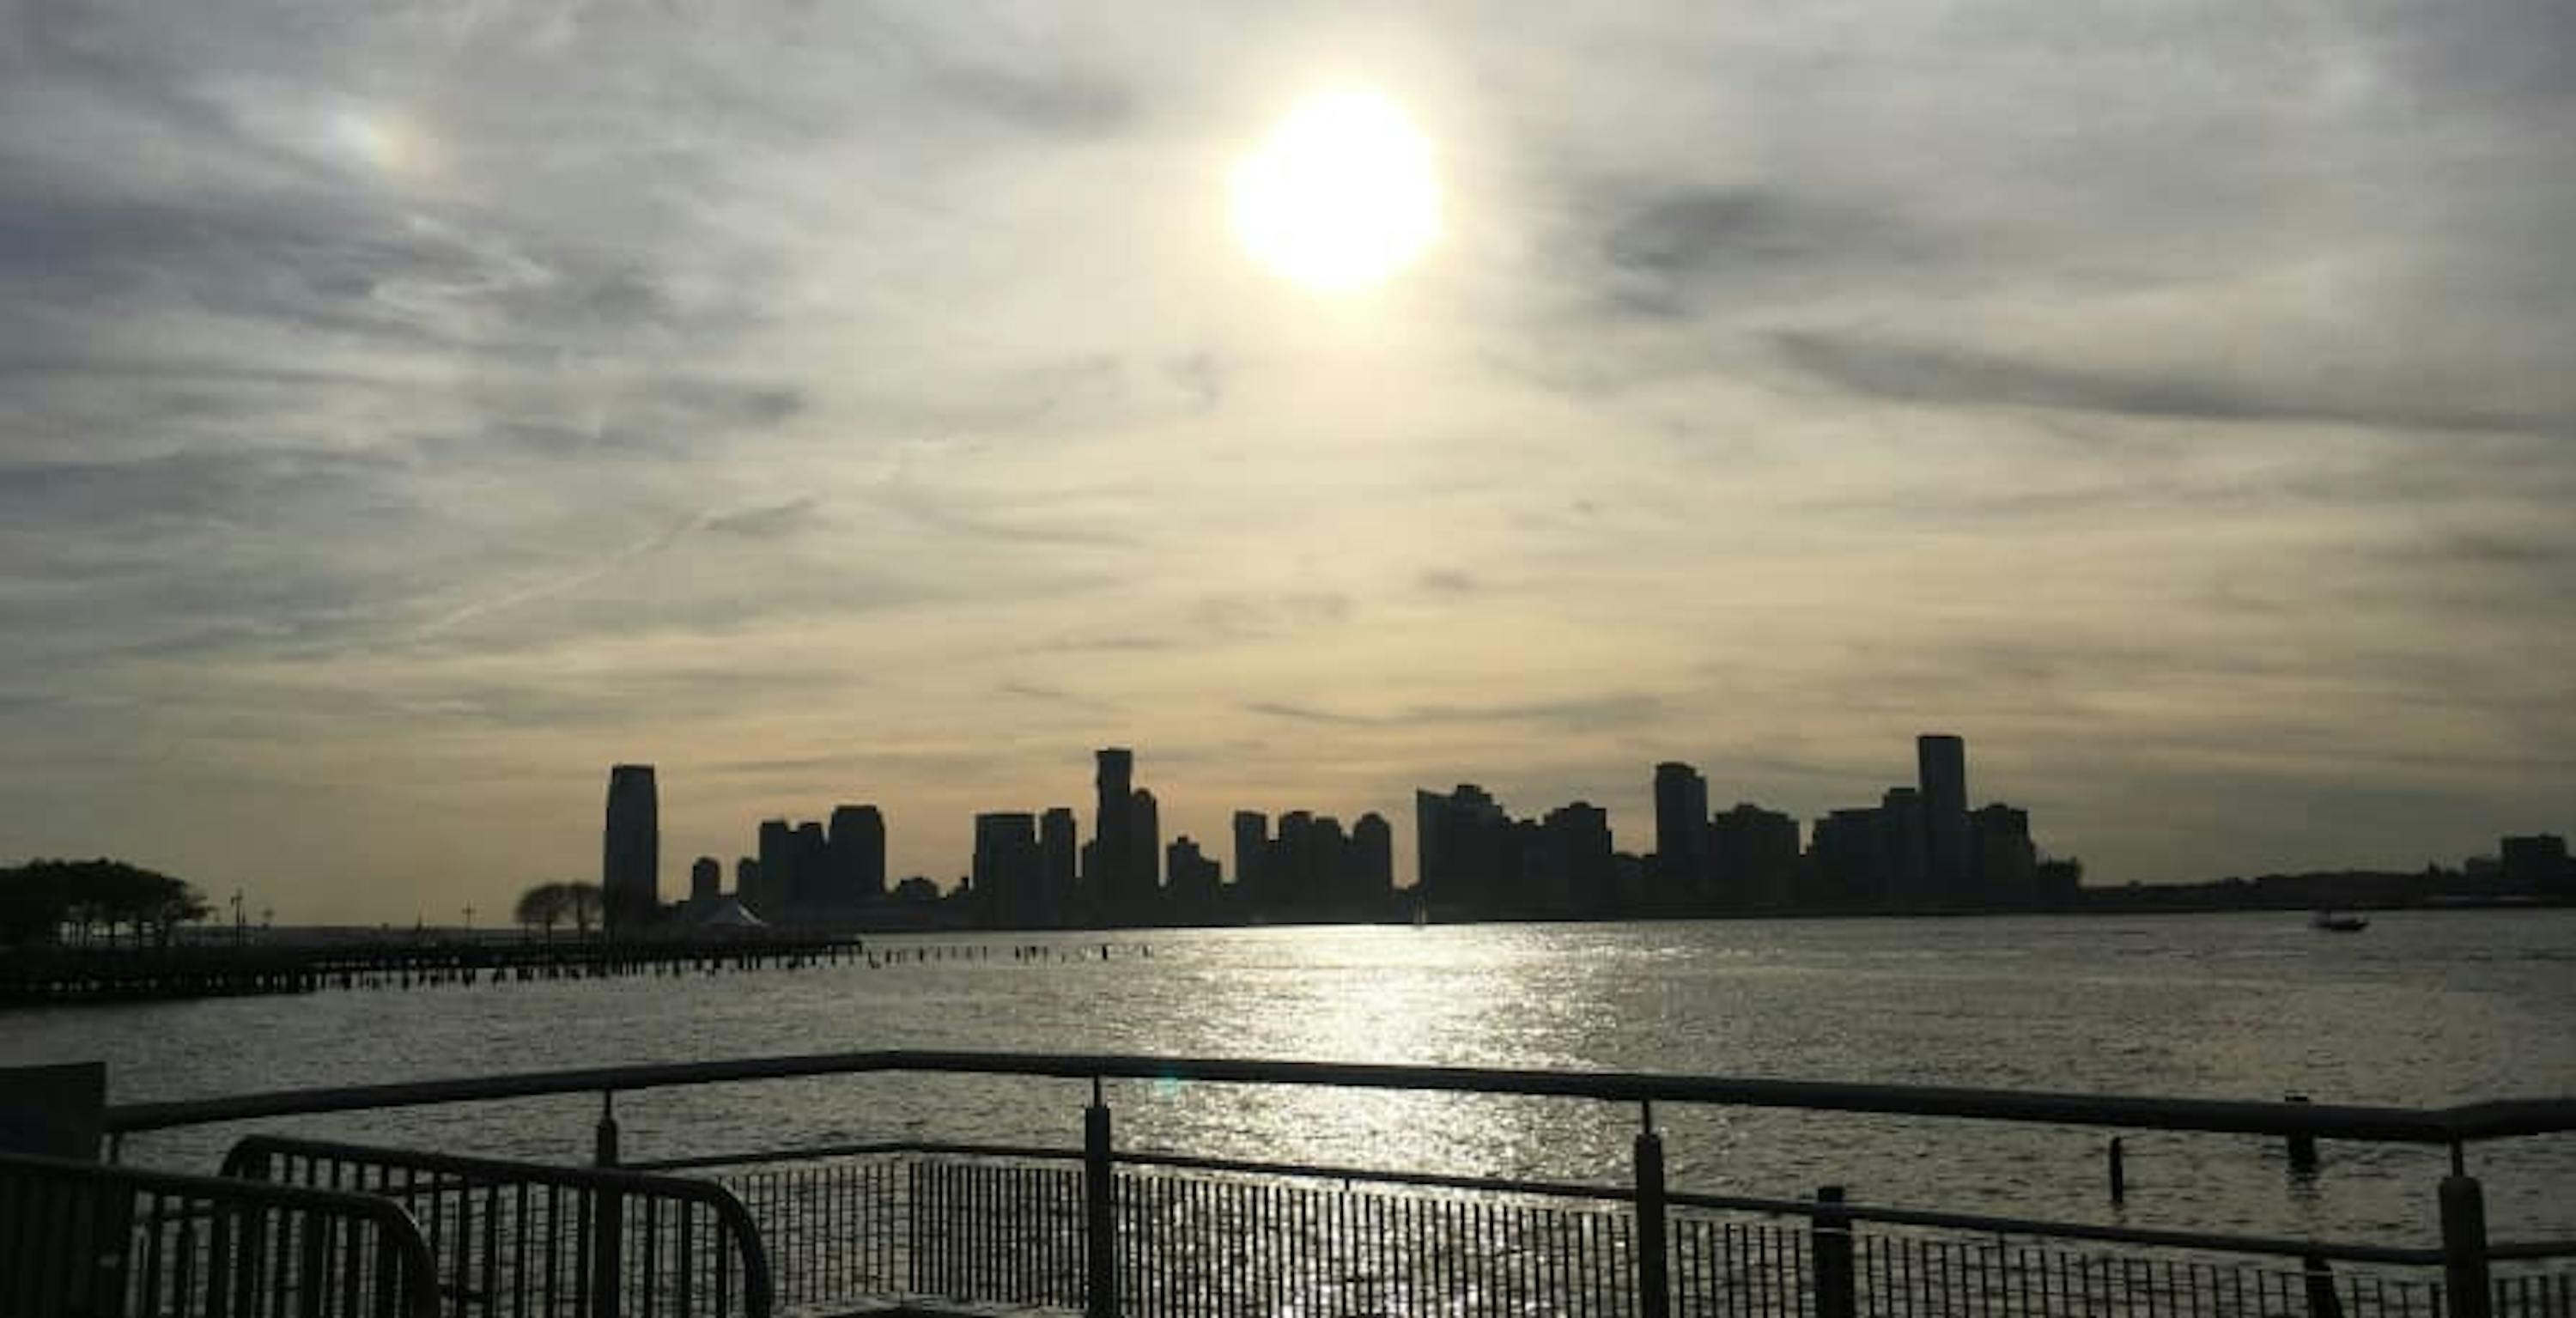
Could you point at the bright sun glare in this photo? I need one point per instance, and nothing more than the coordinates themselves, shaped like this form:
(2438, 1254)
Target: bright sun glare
(1341, 196)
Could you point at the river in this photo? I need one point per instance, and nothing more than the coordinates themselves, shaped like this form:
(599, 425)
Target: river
(2423, 1008)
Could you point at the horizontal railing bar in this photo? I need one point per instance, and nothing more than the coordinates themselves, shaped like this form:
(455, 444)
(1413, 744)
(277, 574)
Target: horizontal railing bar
(818, 1152)
(472, 1172)
(1176, 1161)
(2523, 1250)
(1979, 1223)
(1434, 1180)
(1985, 1224)
(2376, 1124)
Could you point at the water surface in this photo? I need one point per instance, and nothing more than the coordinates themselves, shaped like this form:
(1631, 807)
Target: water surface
(2424, 1008)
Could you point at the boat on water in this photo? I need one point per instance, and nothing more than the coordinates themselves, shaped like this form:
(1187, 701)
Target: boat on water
(2332, 923)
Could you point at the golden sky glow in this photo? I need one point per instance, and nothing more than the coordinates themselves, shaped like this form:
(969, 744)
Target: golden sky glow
(411, 410)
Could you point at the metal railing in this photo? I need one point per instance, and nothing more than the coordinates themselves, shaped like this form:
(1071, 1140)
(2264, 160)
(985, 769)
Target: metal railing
(1005, 1225)
(1133, 1233)
(79, 1238)
(516, 1238)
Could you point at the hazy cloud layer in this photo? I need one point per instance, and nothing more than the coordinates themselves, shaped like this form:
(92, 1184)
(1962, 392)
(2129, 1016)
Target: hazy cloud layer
(408, 409)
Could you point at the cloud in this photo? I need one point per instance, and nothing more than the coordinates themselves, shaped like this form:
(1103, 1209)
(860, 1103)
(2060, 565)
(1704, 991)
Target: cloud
(1940, 376)
(773, 520)
(409, 417)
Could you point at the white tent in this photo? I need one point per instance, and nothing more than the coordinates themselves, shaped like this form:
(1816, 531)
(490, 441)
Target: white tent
(731, 914)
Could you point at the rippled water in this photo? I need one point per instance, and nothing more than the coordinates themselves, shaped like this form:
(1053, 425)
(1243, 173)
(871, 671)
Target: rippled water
(2424, 1008)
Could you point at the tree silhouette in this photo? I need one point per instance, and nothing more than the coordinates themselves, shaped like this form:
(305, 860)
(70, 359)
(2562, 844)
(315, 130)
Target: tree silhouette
(549, 904)
(543, 907)
(585, 905)
(38, 899)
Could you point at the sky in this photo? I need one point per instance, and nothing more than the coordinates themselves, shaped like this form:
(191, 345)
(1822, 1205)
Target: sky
(409, 409)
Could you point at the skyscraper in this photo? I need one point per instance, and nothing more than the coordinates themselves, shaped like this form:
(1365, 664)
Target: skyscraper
(1191, 879)
(631, 854)
(706, 879)
(1372, 858)
(1251, 851)
(1941, 767)
(1463, 845)
(813, 885)
(1113, 831)
(1292, 861)
(1058, 845)
(1681, 834)
(2003, 865)
(1905, 848)
(857, 846)
(1575, 870)
(1006, 868)
(1145, 866)
(777, 870)
(1753, 856)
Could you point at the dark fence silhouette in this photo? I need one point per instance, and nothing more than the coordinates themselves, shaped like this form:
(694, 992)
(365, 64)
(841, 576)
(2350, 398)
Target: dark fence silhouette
(1007, 1226)
(515, 1238)
(78, 1238)
(1137, 1233)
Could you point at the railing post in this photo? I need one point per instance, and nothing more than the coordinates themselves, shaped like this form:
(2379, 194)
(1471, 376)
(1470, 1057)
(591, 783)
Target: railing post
(1654, 1269)
(607, 1256)
(1829, 1243)
(2303, 1148)
(2467, 1290)
(1099, 1212)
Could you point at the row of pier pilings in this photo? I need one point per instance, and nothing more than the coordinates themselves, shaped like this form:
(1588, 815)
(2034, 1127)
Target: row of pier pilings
(203, 972)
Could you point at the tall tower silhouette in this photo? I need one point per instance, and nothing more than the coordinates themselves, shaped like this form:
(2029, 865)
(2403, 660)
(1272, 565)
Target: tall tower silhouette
(631, 857)
(1113, 831)
(1681, 834)
(1941, 765)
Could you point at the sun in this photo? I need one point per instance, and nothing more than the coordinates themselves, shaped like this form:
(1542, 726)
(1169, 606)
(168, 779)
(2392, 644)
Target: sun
(1342, 196)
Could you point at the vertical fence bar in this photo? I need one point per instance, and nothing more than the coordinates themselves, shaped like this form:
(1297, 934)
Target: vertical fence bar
(1654, 1265)
(1100, 1298)
(2470, 1294)
(1830, 1253)
(605, 1272)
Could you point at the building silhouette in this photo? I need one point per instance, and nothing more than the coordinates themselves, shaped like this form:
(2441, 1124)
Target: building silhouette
(856, 858)
(1905, 848)
(2535, 864)
(1372, 859)
(1569, 872)
(810, 883)
(1145, 837)
(1753, 857)
(631, 851)
(777, 871)
(1941, 771)
(1059, 853)
(1252, 881)
(1681, 836)
(1917, 848)
(706, 881)
(2003, 865)
(1111, 869)
(1846, 861)
(1009, 872)
(1462, 842)
(1191, 880)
